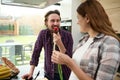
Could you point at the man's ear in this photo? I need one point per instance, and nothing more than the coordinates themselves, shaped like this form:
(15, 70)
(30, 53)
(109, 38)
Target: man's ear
(46, 23)
(87, 19)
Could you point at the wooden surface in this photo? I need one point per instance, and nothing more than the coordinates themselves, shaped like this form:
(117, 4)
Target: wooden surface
(112, 8)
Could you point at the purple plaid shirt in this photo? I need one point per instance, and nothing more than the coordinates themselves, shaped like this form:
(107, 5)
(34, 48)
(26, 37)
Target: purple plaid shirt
(45, 40)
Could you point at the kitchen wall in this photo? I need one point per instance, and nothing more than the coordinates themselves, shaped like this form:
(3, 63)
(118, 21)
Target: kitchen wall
(112, 8)
(66, 9)
(75, 27)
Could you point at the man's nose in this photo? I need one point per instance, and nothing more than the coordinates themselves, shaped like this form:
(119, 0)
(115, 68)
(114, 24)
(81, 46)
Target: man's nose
(56, 23)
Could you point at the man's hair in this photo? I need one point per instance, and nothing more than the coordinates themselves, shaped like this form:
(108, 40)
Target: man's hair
(51, 12)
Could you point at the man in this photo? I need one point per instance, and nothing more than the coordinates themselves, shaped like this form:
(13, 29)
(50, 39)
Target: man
(45, 40)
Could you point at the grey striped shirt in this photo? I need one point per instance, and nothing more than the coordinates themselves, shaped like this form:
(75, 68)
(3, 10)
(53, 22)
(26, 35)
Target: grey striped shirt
(109, 49)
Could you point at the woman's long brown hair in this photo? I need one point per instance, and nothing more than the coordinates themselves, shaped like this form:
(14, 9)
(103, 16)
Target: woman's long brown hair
(99, 20)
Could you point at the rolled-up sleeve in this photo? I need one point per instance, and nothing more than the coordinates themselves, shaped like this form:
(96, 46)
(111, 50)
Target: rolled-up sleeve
(110, 59)
(37, 50)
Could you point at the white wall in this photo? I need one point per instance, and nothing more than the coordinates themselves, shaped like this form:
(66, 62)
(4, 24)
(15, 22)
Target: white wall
(66, 9)
(75, 27)
(0, 6)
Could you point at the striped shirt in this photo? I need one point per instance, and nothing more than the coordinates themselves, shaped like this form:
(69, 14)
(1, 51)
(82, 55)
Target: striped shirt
(45, 40)
(109, 49)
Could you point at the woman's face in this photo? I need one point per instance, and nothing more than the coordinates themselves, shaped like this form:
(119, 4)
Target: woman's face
(83, 23)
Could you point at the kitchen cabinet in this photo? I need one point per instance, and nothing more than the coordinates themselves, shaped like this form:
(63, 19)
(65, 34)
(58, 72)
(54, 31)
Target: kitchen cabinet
(112, 7)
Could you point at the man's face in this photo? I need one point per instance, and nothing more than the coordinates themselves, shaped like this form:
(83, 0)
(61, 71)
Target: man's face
(53, 21)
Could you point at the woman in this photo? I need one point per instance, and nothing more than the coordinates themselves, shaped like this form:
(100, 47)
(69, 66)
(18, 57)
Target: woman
(97, 55)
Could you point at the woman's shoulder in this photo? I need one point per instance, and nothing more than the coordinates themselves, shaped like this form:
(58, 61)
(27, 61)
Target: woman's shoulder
(106, 38)
(111, 40)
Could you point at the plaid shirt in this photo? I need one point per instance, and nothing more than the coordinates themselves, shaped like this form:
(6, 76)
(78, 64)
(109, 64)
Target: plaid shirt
(45, 40)
(109, 49)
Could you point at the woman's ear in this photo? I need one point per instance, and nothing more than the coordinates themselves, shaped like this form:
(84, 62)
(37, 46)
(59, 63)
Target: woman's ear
(87, 19)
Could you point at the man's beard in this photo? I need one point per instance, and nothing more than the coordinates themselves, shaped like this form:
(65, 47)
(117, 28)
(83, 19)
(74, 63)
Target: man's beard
(52, 30)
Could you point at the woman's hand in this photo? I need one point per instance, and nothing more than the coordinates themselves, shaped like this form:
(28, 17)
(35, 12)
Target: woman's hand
(59, 58)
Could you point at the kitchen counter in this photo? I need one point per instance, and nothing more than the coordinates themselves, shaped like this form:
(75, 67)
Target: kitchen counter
(25, 69)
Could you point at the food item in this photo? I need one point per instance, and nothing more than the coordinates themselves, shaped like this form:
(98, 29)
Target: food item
(5, 72)
(8, 69)
(10, 65)
(5, 76)
(55, 30)
(4, 69)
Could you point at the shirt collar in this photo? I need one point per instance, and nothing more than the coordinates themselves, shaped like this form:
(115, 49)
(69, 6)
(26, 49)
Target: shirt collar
(85, 37)
(100, 35)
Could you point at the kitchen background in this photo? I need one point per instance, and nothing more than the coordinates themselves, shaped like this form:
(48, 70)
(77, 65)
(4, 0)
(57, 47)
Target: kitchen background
(22, 20)
(20, 24)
